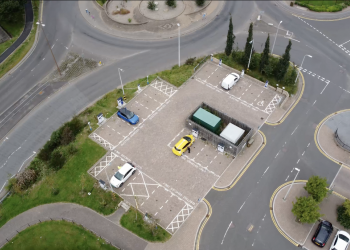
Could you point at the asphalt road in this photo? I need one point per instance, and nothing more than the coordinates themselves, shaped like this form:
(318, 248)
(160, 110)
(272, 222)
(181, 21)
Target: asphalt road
(27, 28)
(248, 202)
(67, 29)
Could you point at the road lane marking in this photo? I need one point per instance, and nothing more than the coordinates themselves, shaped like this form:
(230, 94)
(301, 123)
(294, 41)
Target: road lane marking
(295, 129)
(226, 233)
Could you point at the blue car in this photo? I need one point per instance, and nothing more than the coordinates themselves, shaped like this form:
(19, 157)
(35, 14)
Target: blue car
(128, 116)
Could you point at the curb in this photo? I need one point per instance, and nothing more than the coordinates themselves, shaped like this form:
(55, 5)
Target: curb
(162, 19)
(293, 106)
(244, 169)
(279, 229)
(204, 222)
(316, 138)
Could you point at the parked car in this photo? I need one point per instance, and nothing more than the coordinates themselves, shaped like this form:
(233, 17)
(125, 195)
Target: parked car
(183, 144)
(341, 241)
(322, 234)
(123, 174)
(128, 116)
(230, 81)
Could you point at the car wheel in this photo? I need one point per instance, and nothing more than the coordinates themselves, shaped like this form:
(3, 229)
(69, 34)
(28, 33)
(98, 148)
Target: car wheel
(133, 172)
(121, 184)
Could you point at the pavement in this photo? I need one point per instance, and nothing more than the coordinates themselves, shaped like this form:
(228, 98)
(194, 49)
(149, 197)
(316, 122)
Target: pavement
(294, 231)
(86, 217)
(29, 17)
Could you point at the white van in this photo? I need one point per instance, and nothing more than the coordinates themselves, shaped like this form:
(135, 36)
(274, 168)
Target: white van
(230, 81)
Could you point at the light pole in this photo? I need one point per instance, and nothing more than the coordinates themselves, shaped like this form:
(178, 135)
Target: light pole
(275, 37)
(301, 66)
(251, 50)
(179, 42)
(42, 25)
(297, 169)
(121, 82)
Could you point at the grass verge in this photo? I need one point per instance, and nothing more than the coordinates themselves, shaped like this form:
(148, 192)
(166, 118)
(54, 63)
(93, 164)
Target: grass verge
(56, 235)
(68, 182)
(139, 227)
(101, 2)
(14, 28)
(323, 6)
(229, 61)
(23, 49)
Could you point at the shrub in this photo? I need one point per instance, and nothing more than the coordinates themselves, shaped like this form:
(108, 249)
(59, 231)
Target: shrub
(37, 165)
(344, 214)
(122, 11)
(190, 61)
(171, 3)
(129, 20)
(57, 160)
(26, 179)
(255, 61)
(55, 191)
(151, 5)
(55, 139)
(291, 4)
(317, 188)
(71, 149)
(306, 210)
(45, 153)
(200, 2)
(76, 125)
(11, 184)
(67, 136)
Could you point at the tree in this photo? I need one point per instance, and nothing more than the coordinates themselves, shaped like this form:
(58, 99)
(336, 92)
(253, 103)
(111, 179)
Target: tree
(317, 188)
(343, 212)
(248, 46)
(200, 2)
(306, 210)
(67, 136)
(151, 5)
(171, 3)
(265, 55)
(282, 66)
(57, 160)
(8, 9)
(230, 39)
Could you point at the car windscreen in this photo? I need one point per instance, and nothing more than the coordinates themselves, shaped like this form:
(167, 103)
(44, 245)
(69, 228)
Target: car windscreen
(119, 176)
(323, 234)
(343, 237)
(177, 149)
(187, 138)
(128, 114)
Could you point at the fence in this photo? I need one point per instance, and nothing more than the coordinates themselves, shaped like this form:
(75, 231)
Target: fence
(340, 142)
(215, 139)
(35, 222)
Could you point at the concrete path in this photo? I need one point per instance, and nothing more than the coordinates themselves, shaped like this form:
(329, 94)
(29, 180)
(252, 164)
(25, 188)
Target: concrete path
(88, 218)
(27, 28)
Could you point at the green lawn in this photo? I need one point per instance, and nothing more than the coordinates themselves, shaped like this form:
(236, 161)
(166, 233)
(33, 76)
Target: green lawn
(56, 235)
(14, 28)
(228, 60)
(22, 50)
(101, 2)
(139, 227)
(324, 6)
(68, 182)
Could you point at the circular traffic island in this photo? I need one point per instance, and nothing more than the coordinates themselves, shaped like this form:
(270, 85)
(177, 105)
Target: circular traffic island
(162, 11)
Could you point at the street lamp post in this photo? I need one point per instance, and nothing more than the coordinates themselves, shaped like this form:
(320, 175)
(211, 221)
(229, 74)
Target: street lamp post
(179, 42)
(275, 37)
(301, 66)
(251, 50)
(297, 169)
(43, 25)
(121, 82)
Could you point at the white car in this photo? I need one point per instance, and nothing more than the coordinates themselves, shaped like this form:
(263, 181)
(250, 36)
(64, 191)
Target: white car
(341, 241)
(230, 81)
(122, 175)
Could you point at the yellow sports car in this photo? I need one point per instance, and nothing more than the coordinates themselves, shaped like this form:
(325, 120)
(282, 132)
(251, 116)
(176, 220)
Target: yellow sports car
(183, 145)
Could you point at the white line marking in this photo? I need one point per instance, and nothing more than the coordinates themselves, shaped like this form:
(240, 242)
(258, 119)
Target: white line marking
(291, 39)
(241, 207)
(314, 102)
(308, 144)
(298, 161)
(277, 154)
(324, 89)
(303, 153)
(226, 233)
(295, 129)
(287, 178)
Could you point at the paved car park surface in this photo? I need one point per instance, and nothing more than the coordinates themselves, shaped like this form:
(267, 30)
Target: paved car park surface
(165, 185)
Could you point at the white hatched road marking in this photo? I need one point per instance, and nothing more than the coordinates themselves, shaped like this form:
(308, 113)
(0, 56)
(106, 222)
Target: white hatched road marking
(180, 217)
(101, 141)
(272, 105)
(102, 164)
(164, 87)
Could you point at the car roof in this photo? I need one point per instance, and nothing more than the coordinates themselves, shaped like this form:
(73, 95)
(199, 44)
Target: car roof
(231, 77)
(180, 144)
(323, 233)
(341, 244)
(125, 168)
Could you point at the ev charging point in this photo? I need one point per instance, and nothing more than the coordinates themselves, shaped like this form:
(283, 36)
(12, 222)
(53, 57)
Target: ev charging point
(102, 184)
(211, 57)
(221, 147)
(220, 62)
(195, 132)
(242, 73)
(121, 102)
(100, 118)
